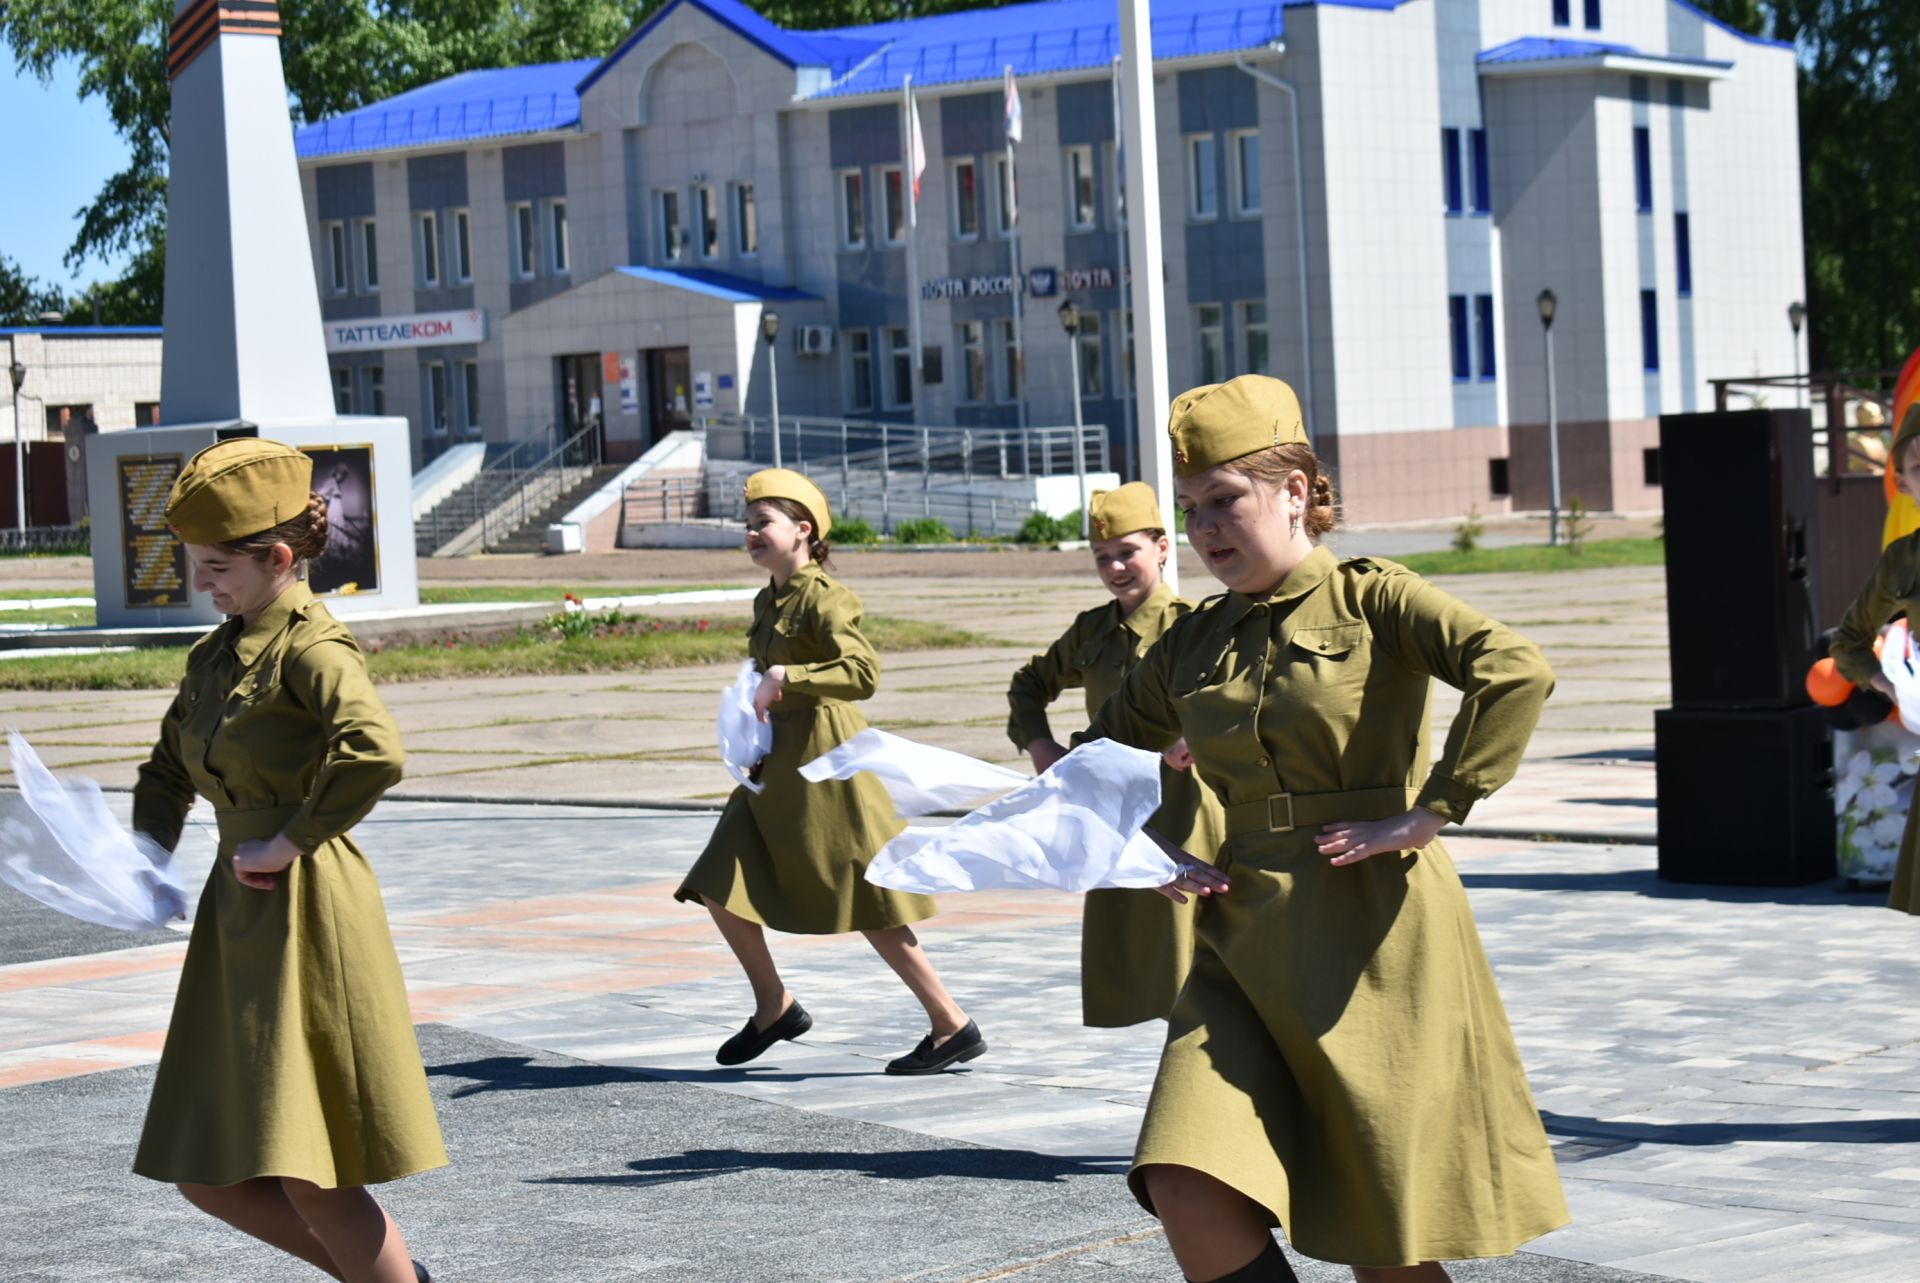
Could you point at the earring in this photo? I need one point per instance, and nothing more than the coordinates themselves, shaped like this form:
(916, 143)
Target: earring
(1294, 525)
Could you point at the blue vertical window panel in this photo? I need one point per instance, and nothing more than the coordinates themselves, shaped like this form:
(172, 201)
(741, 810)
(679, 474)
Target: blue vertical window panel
(1563, 13)
(1643, 169)
(1462, 354)
(1450, 169)
(1593, 15)
(1683, 253)
(1649, 332)
(1483, 317)
(1482, 179)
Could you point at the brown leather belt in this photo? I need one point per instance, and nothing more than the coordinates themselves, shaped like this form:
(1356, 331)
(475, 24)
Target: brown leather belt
(1285, 812)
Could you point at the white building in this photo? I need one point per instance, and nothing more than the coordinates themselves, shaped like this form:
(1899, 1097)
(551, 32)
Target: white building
(78, 380)
(508, 250)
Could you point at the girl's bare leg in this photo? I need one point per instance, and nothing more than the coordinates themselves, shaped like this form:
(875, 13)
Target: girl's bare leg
(1212, 1227)
(260, 1208)
(356, 1231)
(901, 950)
(748, 940)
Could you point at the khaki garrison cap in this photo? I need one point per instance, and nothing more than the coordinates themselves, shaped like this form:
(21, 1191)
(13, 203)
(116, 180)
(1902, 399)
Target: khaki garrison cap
(1909, 429)
(783, 483)
(1131, 508)
(239, 488)
(1219, 422)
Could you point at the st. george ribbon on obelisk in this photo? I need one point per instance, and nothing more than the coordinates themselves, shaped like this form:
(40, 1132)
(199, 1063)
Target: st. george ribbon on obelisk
(244, 353)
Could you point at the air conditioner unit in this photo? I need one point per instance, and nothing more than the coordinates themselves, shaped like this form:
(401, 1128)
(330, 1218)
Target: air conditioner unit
(814, 340)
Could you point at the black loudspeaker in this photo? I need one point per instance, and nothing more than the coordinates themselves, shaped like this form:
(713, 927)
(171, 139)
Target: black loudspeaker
(1746, 795)
(1740, 532)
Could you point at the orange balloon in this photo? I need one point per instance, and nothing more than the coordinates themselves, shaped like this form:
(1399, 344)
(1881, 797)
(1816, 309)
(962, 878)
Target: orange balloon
(1825, 684)
(1880, 639)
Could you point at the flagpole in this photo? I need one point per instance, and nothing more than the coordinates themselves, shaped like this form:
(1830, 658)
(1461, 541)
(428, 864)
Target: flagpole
(1143, 236)
(909, 137)
(1019, 286)
(1120, 269)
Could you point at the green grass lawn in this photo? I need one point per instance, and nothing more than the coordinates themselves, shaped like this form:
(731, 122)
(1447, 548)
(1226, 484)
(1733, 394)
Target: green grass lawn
(1537, 557)
(527, 652)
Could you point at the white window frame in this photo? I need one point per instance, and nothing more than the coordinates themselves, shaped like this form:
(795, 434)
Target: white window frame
(523, 237)
(342, 389)
(970, 339)
(706, 209)
(559, 236)
(1246, 196)
(333, 247)
(1093, 358)
(957, 201)
(860, 390)
(366, 274)
(899, 347)
(998, 176)
(672, 246)
(746, 220)
(462, 263)
(426, 250)
(1074, 162)
(850, 208)
(434, 419)
(470, 398)
(1200, 331)
(1192, 147)
(1009, 367)
(892, 237)
(376, 385)
(1246, 327)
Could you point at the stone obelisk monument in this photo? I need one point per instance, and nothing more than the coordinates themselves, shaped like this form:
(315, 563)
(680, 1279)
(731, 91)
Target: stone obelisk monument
(244, 353)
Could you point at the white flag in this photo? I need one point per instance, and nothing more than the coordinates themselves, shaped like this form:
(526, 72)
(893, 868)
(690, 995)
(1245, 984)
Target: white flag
(916, 145)
(1013, 108)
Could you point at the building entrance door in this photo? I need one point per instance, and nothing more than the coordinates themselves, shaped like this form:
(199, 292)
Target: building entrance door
(581, 403)
(669, 391)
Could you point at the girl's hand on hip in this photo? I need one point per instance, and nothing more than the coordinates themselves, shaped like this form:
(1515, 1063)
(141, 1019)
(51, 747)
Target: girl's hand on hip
(1351, 841)
(768, 692)
(255, 863)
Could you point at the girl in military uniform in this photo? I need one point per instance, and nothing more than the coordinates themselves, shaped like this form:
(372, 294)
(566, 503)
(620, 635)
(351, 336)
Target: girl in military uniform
(290, 1080)
(794, 856)
(1339, 1063)
(1135, 946)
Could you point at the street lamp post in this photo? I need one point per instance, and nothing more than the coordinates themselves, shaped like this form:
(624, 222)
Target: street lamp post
(1070, 321)
(1547, 303)
(769, 330)
(1797, 317)
(18, 373)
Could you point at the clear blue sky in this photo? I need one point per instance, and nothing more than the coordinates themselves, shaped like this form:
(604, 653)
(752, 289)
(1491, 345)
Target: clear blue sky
(59, 150)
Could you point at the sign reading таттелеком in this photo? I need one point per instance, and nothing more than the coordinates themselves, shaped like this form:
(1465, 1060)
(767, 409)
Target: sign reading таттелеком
(422, 329)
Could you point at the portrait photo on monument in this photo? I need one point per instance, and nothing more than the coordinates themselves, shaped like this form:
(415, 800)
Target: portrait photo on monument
(343, 477)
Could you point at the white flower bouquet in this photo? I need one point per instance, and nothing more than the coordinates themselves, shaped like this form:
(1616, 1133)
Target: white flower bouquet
(1871, 797)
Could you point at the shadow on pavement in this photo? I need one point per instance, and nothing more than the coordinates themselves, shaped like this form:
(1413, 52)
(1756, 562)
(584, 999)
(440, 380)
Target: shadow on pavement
(1648, 883)
(519, 1073)
(1841, 1131)
(899, 1165)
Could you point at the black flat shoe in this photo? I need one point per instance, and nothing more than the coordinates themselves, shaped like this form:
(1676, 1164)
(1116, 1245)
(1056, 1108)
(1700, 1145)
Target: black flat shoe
(929, 1059)
(420, 1274)
(750, 1042)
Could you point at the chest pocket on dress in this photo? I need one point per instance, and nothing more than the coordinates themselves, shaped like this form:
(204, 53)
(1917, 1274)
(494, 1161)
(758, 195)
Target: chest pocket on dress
(1219, 702)
(1323, 673)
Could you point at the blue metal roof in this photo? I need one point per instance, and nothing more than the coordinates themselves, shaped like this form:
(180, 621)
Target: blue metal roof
(1554, 49)
(474, 104)
(83, 331)
(1729, 28)
(721, 285)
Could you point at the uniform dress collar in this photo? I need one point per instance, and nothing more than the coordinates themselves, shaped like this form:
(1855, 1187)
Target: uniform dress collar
(1146, 612)
(1301, 580)
(795, 582)
(249, 640)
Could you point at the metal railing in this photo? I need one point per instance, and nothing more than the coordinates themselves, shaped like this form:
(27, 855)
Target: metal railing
(535, 485)
(854, 444)
(509, 491)
(46, 540)
(662, 499)
(1840, 448)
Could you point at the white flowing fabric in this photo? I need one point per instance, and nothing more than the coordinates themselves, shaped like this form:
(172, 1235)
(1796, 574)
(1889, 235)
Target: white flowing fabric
(744, 738)
(1075, 828)
(60, 845)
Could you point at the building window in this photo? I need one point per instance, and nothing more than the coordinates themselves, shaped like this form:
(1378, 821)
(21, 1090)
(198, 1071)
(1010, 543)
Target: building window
(1450, 170)
(1457, 329)
(1483, 329)
(335, 241)
(1563, 13)
(470, 397)
(1203, 178)
(746, 221)
(1593, 15)
(1210, 339)
(146, 414)
(462, 247)
(672, 238)
(1253, 338)
(559, 250)
(1093, 363)
(1004, 193)
(1649, 332)
(893, 206)
(1650, 466)
(1498, 483)
(369, 278)
(1010, 369)
(1083, 200)
(1116, 186)
(973, 362)
(342, 390)
(1482, 176)
(523, 239)
(1643, 169)
(899, 367)
(433, 408)
(1123, 322)
(376, 389)
(426, 251)
(706, 221)
(1683, 254)
(859, 371)
(1245, 147)
(966, 200)
(853, 211)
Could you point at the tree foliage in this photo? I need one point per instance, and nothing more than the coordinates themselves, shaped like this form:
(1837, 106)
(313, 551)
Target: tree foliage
(22, 298)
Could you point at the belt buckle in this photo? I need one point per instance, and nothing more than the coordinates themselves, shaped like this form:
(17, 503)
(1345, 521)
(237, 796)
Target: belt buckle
(1272, 826)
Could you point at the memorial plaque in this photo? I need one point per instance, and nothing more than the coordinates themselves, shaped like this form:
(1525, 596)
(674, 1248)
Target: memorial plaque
(343, 476)
(154, 561)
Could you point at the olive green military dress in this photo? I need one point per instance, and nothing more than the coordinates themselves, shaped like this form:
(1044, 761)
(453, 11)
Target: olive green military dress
(1135, 946)
(291, 1051)
(795, 856)
(1894, 589)
(1340, 1054)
